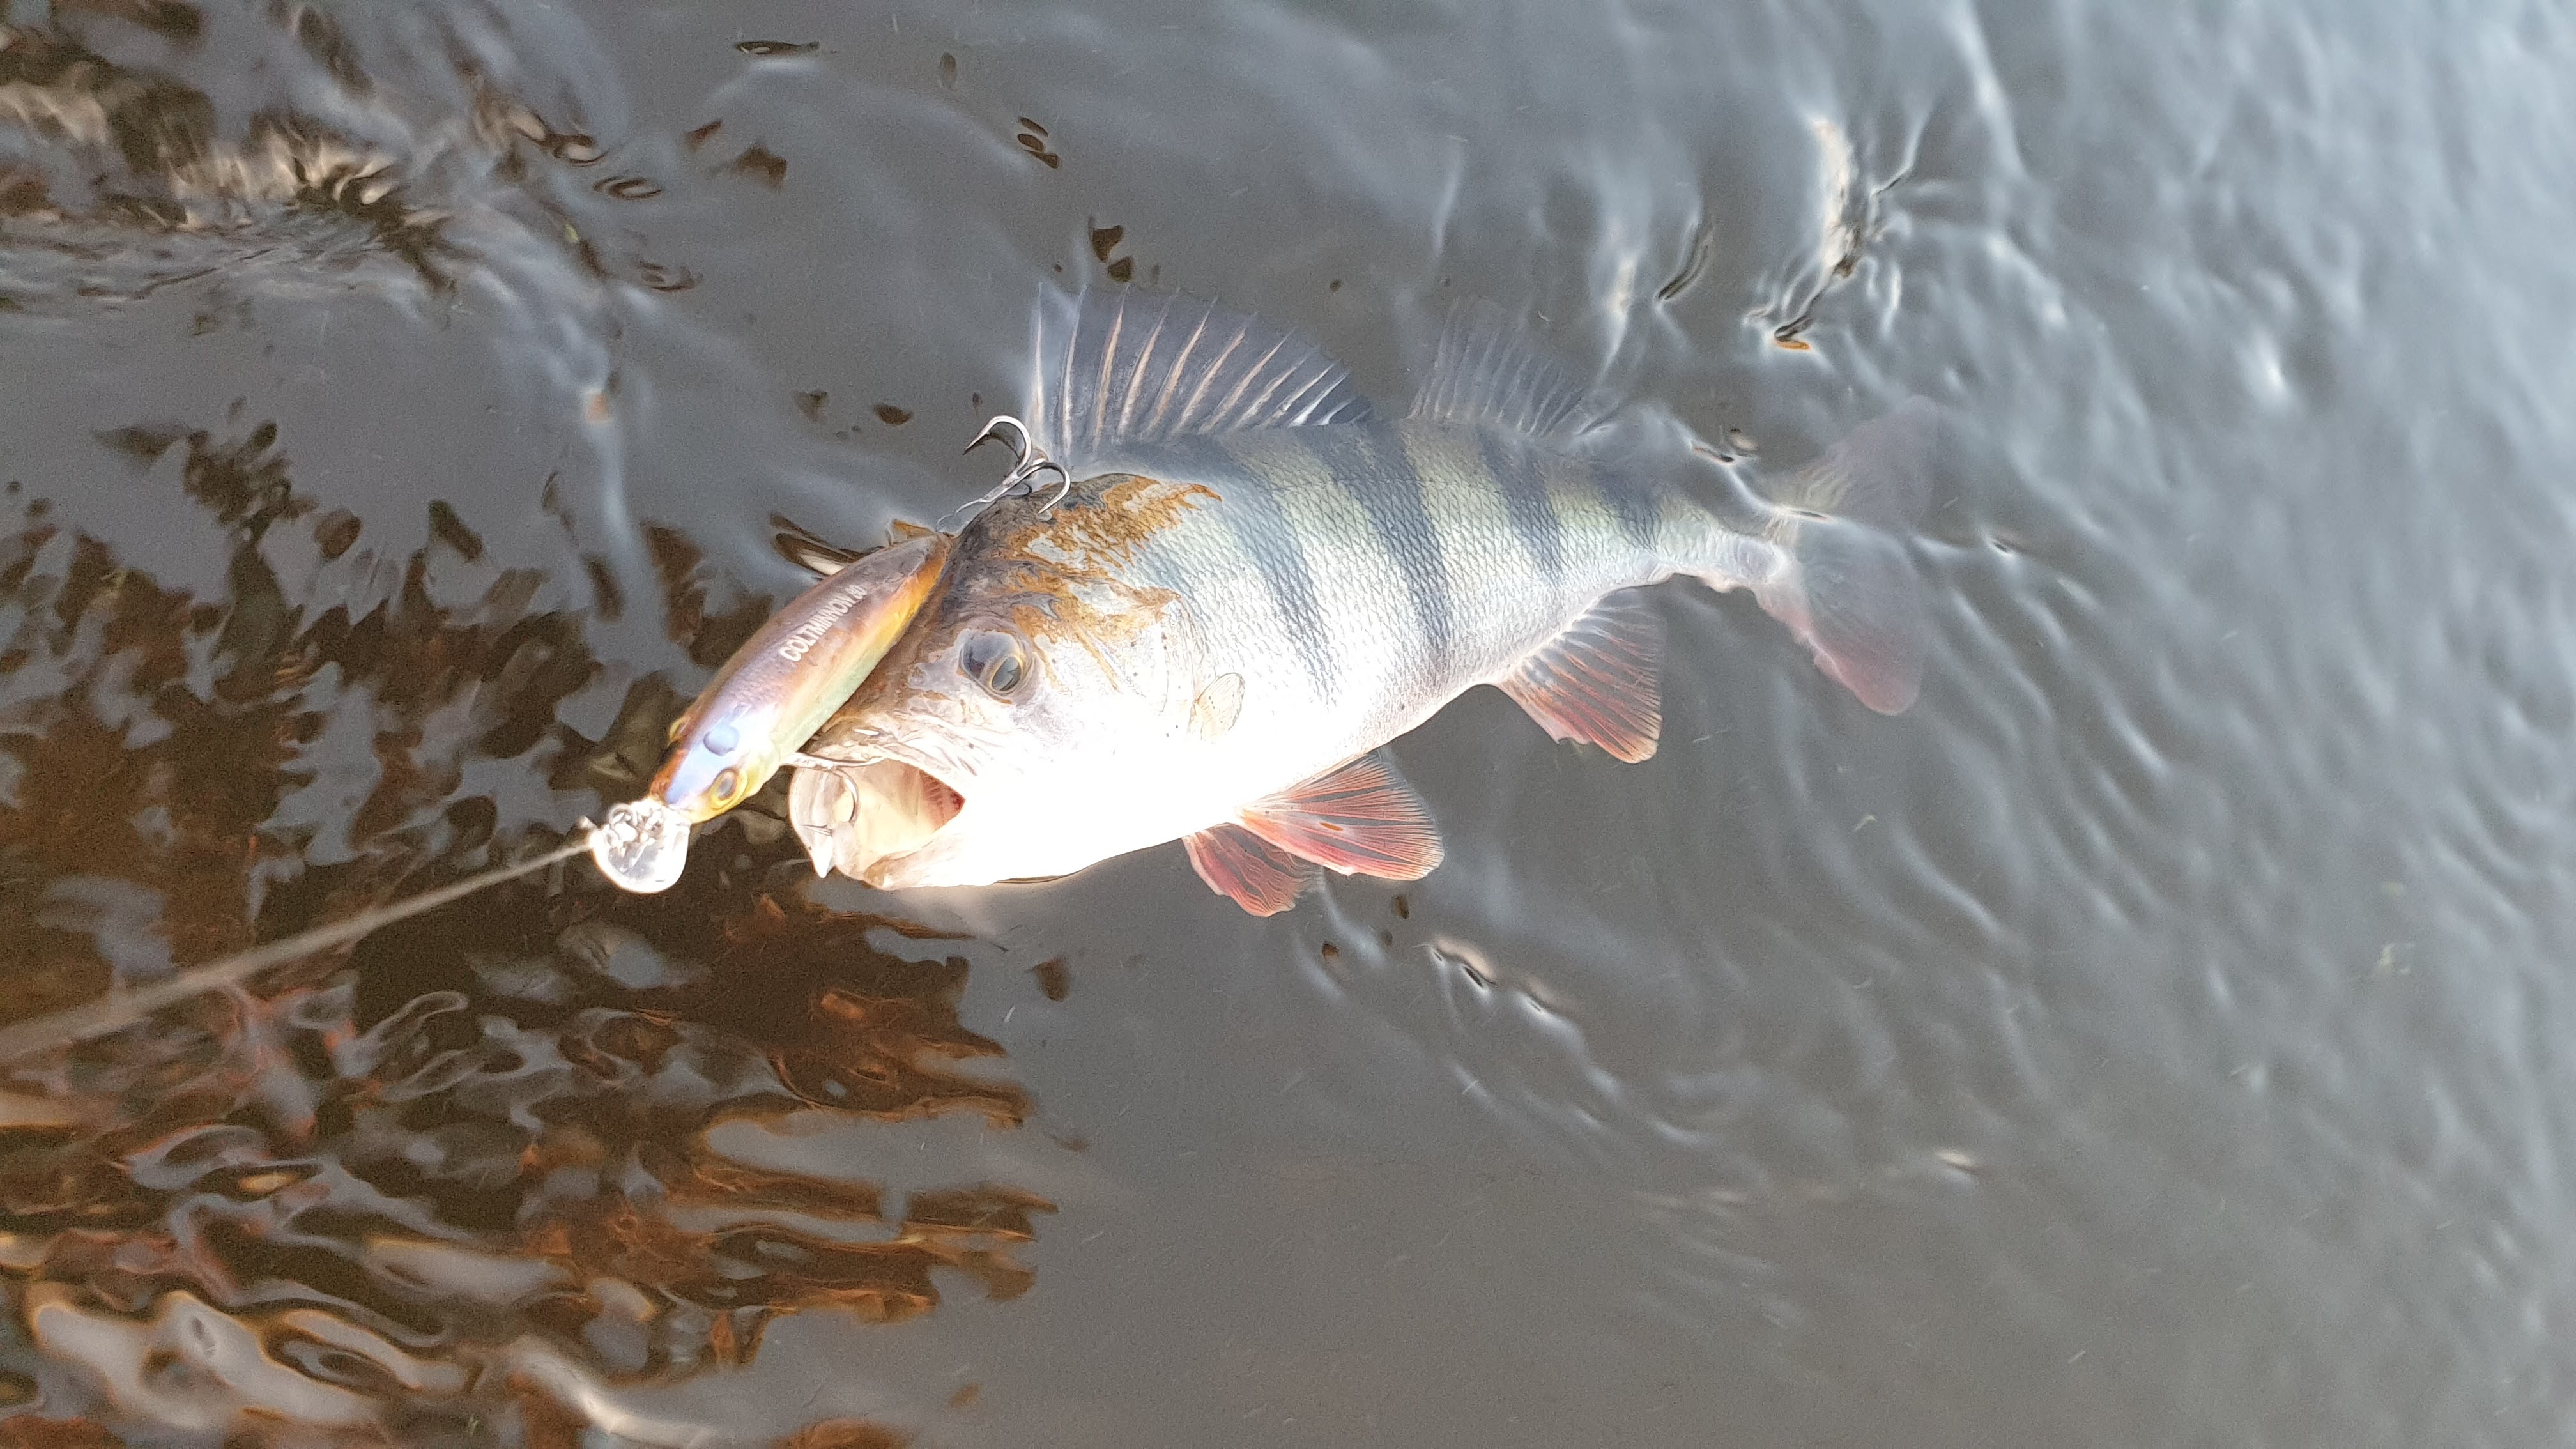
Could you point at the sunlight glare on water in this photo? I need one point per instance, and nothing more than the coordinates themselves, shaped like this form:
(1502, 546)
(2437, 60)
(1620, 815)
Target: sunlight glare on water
(2151, 1037)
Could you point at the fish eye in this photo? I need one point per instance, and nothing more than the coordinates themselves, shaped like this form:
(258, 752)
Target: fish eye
(993, 661)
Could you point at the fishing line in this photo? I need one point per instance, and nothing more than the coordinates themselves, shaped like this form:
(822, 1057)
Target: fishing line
(117, 1009)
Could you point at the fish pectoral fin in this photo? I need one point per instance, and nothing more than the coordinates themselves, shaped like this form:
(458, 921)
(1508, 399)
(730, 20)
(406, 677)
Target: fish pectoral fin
(1217, 707)
(1256, 875)
(1600, 681)
(1359, 819)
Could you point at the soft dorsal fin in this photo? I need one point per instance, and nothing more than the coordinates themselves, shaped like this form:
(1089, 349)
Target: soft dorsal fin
(1253, 873)
(1359, 819)
(1126, 366)
(1599, 681)
(1489, 373)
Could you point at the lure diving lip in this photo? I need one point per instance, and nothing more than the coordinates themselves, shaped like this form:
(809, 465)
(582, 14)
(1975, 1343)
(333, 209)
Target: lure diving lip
(774, 692)
(642, 846)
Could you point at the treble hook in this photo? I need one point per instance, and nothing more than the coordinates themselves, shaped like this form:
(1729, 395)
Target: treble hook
(1031, 461)
(993, 429)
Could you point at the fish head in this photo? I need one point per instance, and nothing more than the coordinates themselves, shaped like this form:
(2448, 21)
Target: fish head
(1044, 676)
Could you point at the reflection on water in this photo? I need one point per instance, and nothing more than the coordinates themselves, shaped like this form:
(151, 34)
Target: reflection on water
(461, 1179)
(140, 151)
(118, 178)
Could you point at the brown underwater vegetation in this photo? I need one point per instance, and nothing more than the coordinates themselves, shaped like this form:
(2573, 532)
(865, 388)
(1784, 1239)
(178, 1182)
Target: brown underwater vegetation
(455, 1184)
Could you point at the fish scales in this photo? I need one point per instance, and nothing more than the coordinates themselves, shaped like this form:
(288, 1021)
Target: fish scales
(1407, 559)
(1526, 503)
(1258, 571)
(1367, 462)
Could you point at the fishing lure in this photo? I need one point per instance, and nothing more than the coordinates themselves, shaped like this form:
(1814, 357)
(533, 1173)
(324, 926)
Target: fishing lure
(774, 692)
(767, 699)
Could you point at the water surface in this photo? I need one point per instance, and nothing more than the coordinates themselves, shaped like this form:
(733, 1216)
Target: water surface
(2153, 1037)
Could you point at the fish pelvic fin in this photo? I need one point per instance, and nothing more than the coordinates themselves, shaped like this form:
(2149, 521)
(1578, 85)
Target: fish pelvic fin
(1847, 589)
(1248, 870)
(1359, 819)
(1599, 682)
(1124, 366)
(1488, 372)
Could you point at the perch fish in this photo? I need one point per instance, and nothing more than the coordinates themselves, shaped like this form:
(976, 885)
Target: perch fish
(1243, 581)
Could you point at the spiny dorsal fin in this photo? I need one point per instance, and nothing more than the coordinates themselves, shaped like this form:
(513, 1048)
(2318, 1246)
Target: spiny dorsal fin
(1489, 373)
(1256, 875)
(1125, 366)
(1359, 819)
(1599, 681)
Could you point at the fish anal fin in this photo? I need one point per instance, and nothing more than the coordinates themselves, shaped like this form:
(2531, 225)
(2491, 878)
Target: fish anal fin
(1488, 372)
(1359, 819)
(1599, 682)
(1124, 366)
(903, 530)
(1250, 871)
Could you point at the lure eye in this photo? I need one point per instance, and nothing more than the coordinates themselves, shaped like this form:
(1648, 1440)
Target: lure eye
(993, 661)
(726, 782)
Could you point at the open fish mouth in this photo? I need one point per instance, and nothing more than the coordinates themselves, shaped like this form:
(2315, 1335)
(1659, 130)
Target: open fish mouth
(861, 818)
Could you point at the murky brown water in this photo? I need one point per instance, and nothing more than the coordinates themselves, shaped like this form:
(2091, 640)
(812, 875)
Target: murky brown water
(2153, 1038)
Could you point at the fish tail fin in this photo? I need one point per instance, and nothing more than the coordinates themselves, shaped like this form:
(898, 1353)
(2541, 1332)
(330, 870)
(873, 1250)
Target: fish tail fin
(1847, 589)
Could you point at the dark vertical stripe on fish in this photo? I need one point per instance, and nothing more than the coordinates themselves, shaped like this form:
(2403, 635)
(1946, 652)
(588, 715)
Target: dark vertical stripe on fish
(1261, 529)
(1636, 508)
(1534, 519)
(1368, 464)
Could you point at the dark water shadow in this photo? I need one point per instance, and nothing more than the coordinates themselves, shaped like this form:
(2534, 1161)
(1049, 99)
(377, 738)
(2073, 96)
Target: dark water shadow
(457, 1183)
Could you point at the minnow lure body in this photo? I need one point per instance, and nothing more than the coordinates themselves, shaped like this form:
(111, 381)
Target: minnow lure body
(765, 702)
